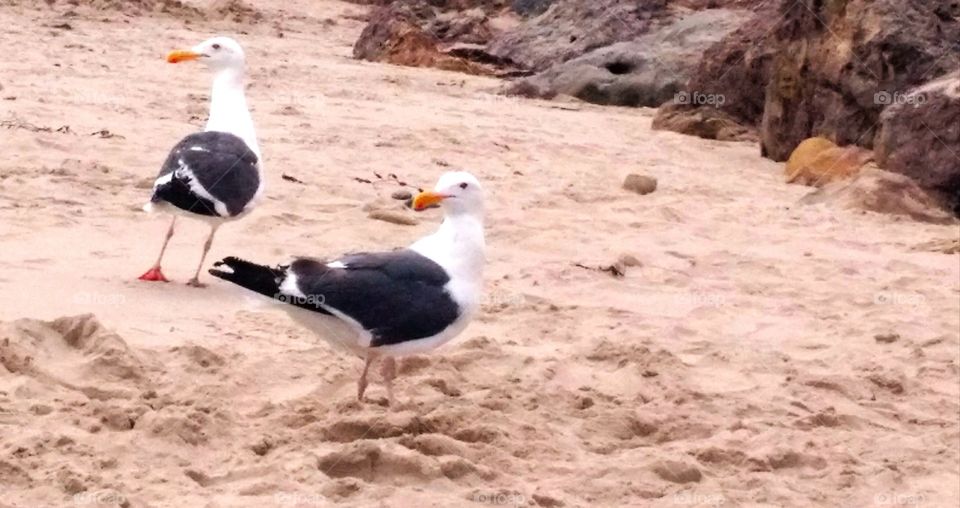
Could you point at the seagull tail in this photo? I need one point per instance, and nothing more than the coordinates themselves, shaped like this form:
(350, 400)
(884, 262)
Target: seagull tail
(257, 278)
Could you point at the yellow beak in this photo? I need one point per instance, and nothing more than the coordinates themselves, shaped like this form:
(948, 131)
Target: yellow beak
(427, 199)
(182, 56)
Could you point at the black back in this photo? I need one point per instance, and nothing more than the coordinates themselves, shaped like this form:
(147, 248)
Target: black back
(397, 296)
(222, 164)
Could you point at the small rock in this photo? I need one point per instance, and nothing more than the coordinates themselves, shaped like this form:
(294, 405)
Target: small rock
(263, 446)
(394, 217)
(641, 184)
(145, 183)
(70, 482)
(677, 472)
(629, 260)
(887, 338)
(202, 479)
(41, 409)
(401, 195)
(584, 402)
(547, 501)
(64, 441)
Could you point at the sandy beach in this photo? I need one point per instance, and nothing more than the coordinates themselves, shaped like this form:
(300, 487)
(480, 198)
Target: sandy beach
(758, 353)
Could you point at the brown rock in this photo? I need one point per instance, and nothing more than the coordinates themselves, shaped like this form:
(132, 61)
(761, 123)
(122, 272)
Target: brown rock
(702, 121)
(641, 184)
(547, 501)
(677, 472)
(886, 338)
(449, 35)
(629, 260)
(398, 34)
(394, 217)
(881, 191)
(920, 136)
(836, 60)
(817, 162)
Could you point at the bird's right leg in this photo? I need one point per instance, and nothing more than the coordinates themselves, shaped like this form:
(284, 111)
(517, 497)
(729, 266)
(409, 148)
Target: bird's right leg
(154, 274)
(362, 383)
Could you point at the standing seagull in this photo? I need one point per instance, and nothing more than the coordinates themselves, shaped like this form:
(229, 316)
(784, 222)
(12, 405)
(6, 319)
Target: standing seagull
(212, 175)
(386, 304)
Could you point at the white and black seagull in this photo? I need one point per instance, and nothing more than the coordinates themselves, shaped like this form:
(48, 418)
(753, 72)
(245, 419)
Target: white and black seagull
(386, 304)
(212, 175)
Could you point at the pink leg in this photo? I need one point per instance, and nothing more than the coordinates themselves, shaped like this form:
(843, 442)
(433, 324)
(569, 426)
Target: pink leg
(195, 281)
(154, 274)
(389, 372)
(362, 383)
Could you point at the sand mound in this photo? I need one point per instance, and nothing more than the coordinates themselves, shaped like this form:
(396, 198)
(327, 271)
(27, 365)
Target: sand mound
(75, 353)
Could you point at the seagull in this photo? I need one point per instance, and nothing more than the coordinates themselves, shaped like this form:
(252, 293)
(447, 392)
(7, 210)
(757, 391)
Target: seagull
(386, 304)
(212, 175)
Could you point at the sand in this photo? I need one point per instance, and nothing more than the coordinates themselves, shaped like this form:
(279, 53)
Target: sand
(761, 354)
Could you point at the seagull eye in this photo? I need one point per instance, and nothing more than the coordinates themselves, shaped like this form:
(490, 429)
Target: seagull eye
(216, 46)
(463, 185)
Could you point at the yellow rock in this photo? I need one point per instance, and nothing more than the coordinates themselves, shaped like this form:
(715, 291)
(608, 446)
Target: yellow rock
(818, 161)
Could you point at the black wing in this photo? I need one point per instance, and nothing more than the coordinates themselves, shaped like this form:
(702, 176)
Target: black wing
(220, 163)
(396, 296)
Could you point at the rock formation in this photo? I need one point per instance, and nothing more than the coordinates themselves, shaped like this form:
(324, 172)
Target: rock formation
(838, 64)
(647, 71)
(919, 136)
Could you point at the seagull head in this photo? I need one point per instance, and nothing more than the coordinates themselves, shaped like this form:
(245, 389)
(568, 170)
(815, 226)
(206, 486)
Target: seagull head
(217, 53)
(457, 192)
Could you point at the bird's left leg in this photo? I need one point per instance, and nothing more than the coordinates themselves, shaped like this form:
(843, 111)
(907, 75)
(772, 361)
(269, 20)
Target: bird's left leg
(362, 382)
(389, 372)
(195, 281)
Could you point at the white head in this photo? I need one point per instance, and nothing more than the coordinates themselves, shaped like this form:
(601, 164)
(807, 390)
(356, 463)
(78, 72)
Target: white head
(457, 192)
(217, 54)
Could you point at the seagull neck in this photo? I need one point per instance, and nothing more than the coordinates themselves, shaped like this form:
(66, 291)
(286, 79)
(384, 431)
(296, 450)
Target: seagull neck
(228, 108)
(458, 245)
